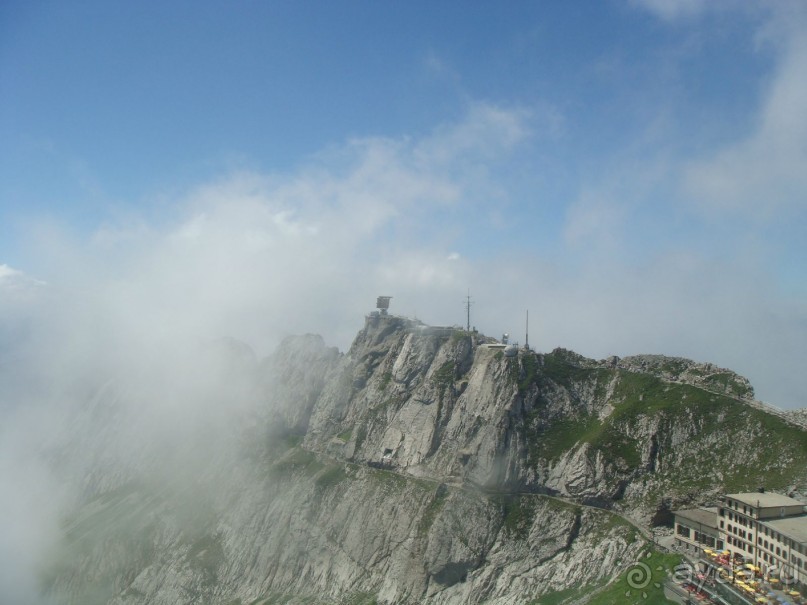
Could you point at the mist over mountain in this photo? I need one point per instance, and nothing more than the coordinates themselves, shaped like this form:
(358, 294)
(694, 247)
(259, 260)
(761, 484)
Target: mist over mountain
(199, 204)
(421, 464)
(124, 377)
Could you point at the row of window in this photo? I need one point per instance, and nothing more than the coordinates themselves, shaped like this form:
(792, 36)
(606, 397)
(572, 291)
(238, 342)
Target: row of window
(740, 544)
(739, 540)
(771, 547)
(699, 537)
(737, 531)
(735, 506)
(797, 562)
(794, 560)
(781, 552)
(798, 547)
(739, 519)
(704, 539)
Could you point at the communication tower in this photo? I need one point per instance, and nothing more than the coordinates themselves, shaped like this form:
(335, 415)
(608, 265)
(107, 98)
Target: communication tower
(527, 336)
(468, 303)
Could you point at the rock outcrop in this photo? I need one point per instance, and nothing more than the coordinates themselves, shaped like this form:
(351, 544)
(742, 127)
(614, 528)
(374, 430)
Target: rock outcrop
(622, 433)
(424, 465)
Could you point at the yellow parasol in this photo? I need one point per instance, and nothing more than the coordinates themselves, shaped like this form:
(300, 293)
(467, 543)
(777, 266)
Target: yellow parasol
(750, 566)
(794, 593)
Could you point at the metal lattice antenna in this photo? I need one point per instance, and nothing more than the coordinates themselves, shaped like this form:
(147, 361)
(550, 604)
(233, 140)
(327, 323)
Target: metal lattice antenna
(468, 304)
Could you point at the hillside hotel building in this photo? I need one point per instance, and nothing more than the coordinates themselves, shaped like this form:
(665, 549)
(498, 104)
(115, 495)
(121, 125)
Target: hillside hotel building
(769, 530)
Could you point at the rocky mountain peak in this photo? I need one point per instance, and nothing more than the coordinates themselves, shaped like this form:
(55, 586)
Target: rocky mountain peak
(426, 465)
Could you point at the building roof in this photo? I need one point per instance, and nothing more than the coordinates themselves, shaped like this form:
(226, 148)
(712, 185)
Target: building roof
(794, 528)
(764, 499)
(706, 517)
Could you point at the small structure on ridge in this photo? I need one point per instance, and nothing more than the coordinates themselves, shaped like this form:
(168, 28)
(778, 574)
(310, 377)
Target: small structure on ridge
(382, 304)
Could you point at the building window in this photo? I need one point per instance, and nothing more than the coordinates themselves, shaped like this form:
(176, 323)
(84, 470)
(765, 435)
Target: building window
(683, 531)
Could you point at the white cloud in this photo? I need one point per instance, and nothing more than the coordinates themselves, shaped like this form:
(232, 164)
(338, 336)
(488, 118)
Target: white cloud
(487, 132)
(595, 221)
(765, 172)
(676, 303)
(6, 271)
(671, 9)
(13, 279)
(260, 256)
(16, 287)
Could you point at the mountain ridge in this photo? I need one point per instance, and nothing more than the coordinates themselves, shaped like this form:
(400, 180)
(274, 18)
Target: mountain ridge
(419, 466)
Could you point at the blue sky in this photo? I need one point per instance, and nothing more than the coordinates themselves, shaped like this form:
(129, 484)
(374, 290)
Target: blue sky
(632, 171)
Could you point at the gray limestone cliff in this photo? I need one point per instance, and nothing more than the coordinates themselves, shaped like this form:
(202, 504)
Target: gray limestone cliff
(634, 434)
(425, 465)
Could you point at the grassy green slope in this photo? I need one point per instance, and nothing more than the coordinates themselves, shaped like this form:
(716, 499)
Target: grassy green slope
(703, 440)
(642, 583)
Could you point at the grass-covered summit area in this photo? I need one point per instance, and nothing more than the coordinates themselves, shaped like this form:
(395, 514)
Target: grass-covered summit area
(671, 435)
